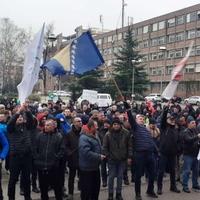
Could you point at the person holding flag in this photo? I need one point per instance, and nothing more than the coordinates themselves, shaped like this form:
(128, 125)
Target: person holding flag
(20, 155)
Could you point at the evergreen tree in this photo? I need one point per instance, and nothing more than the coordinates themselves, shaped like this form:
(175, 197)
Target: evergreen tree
(90, 80)
(129, 62)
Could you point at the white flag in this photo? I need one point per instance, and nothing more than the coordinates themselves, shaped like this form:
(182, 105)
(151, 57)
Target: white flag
(31, 66)
(170, 90)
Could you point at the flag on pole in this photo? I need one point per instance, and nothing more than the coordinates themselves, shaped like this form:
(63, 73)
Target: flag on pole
(177, 75)
(31, 66)
(80, 56)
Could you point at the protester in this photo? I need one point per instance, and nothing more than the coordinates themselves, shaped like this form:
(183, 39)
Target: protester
(143, 153)
(101, 133)
(20, 156)
(4, 146)
(191, 148)
(49, 152)
(71, 144)
(90, 157)
(169, 147)
(117, 147)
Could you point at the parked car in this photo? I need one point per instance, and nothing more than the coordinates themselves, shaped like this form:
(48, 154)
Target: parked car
(153, 97)
(193, 100)
(62, 93)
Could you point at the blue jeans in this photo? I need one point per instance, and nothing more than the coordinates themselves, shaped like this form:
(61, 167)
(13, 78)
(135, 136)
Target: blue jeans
(190, 163)
(116, 169)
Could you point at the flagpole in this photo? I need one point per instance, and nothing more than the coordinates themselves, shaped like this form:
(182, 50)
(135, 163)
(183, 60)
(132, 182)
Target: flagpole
(115, 83)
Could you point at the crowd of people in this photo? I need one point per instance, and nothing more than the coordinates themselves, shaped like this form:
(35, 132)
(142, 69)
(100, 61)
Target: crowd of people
(40, 142)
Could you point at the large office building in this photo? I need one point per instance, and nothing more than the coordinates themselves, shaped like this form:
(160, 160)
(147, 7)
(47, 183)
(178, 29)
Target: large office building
(163, 41)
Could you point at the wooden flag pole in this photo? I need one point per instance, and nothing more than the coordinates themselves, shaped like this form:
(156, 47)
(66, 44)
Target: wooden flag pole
(115, 83)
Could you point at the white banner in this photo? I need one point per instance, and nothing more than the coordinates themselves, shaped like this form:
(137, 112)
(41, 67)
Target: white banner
(31, 66)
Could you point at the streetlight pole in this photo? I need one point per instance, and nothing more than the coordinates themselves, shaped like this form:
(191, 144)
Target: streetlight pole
(163, 49)
(133, 83)
(133, 77)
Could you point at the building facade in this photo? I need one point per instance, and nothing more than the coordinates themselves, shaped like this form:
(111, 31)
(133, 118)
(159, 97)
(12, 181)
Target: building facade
(163, 41)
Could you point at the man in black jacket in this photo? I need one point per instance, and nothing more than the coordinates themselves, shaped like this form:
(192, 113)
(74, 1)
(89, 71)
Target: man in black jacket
(49, 152)
(191, 147)
(19, 128)
(71, 144)
(169, 148)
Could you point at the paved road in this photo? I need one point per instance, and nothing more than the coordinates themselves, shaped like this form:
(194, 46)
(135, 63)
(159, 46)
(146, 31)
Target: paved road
(128, 192)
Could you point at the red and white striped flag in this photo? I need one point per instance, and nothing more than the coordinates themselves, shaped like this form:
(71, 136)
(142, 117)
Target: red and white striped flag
(177, 75)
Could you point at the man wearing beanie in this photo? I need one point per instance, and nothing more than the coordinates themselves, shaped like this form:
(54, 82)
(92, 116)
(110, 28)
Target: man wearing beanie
(118, 149)
(191, 146)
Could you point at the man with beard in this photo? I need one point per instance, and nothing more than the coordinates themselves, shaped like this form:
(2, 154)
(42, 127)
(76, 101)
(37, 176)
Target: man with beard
(71, 144)
(169, 148)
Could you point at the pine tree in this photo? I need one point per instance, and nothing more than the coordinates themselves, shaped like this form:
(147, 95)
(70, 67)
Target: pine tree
(129, 62)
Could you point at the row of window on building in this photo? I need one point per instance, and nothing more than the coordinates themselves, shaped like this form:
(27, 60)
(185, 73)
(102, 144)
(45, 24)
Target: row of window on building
(176, 37)
(176, 53)
(190, 17)
(168, 54)
(161, 70)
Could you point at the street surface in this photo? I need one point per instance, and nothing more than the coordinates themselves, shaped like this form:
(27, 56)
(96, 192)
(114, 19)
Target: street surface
(128, 192)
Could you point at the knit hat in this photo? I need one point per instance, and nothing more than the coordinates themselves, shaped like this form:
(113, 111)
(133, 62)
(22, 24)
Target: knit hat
(107, 121)
(116, 121)
(190, 119)
(152, 121)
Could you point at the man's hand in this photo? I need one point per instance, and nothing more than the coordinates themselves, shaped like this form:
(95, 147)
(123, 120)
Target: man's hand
(103, 157)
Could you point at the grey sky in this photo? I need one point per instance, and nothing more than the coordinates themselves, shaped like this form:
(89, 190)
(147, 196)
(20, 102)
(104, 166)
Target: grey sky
(66, 15)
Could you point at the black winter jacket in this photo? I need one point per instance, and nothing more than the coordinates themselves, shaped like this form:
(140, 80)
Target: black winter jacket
(170, 141)
(49, 150)
(117, 146)
(191, 142)
(71, 146)
(19, 136)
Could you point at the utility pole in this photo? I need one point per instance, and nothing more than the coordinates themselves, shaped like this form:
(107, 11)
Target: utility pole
(101, 22)
(123, 5)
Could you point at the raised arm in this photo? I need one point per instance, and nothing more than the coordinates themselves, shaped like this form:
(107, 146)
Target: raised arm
(164, 117)
(131, 119)
(12, 122)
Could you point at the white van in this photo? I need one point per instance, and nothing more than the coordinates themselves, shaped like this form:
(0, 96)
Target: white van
(93, 97)
(104, 100)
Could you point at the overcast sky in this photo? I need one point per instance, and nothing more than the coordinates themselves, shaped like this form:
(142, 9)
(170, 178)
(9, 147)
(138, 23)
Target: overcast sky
(66, 15)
